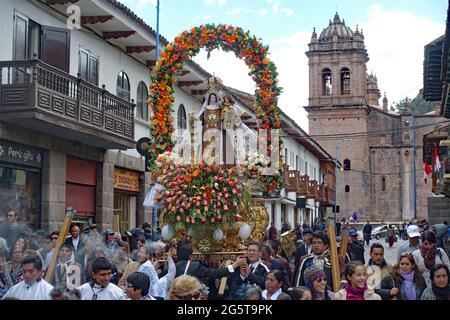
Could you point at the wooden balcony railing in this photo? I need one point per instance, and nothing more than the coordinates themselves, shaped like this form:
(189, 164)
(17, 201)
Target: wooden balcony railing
(38, 87)
(304, 182)
(312, 189)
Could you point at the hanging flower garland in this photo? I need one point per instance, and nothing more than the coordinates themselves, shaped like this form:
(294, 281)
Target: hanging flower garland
(188, 44)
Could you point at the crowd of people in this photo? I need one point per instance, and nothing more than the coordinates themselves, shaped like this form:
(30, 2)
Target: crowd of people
(92, 265)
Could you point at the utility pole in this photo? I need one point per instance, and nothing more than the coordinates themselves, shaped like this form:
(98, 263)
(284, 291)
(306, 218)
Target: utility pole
(408, 108)
(414, 168)
(154, 210)
(157, 30)
(337, 180)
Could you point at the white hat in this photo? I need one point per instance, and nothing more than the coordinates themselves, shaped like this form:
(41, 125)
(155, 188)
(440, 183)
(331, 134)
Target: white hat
(413, 231)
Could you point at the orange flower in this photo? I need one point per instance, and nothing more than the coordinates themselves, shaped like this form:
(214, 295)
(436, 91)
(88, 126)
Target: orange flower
(196, 173)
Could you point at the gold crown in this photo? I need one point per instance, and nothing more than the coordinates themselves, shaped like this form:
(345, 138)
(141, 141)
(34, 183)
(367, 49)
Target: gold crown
(214, 83)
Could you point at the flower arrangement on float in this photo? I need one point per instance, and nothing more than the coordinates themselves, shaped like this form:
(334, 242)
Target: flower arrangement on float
(198, 192)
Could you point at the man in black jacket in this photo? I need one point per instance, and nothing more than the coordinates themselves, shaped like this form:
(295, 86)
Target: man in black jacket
(253, 272)
(77, 244)
(367, 231)
(306, 247)
(355, 247)
(186, 266)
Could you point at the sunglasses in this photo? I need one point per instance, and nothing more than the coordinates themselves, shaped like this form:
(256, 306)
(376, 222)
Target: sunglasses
(194, 296)
(323, 279)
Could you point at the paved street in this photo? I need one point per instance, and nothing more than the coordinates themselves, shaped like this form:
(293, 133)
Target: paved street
(390, 254)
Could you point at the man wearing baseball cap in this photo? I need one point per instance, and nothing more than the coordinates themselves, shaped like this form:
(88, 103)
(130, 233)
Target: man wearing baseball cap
(413, 243)
(355, 247)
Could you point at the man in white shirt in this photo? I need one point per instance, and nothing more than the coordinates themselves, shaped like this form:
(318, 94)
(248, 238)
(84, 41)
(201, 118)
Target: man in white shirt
(137, 286)
(101, 288)
(33, 287)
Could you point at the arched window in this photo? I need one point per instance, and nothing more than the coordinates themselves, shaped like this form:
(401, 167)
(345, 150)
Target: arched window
(347, 165)
(347, 188)
(181, 117)
(383, 183)
(141, 101)
(326, 82)
(345, 81)
(123, 86)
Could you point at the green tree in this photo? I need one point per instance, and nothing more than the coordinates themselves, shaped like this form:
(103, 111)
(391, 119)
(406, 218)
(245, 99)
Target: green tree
(417, 105)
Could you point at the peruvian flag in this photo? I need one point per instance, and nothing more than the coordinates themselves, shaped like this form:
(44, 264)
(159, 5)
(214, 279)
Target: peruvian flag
(436, 162)
(427, 171)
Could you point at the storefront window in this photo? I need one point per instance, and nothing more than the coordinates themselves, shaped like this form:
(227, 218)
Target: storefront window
(20, 191)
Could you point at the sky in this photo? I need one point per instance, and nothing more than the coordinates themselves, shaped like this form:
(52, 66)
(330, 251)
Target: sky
(395, 31)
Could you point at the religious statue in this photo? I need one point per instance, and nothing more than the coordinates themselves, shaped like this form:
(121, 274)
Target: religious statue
(225, 138)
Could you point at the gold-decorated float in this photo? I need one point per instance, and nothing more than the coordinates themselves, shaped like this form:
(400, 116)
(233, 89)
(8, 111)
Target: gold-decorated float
(200, 197)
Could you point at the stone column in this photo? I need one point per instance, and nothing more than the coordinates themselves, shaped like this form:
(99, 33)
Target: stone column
(406, 185)
(105, 193)
(278, 215)
(53, 190)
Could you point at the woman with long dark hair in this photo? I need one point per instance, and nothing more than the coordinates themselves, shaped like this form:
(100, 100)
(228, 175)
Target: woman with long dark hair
(406, 281)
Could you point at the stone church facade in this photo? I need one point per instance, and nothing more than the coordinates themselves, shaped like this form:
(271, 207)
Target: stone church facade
(374, 145)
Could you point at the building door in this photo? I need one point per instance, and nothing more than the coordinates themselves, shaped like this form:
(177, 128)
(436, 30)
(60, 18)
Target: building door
(121, 219)
(55, 47)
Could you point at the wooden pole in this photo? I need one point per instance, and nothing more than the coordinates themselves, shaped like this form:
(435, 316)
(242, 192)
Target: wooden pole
(344, 244)
(223, 281)
(334, 258)
(62, 237)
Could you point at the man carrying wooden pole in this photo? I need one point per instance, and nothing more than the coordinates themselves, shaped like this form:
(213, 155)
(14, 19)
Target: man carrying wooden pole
(325, 255)
(62, 237)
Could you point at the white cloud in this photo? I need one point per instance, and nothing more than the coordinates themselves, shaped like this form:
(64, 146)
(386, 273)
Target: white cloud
(139, 4)
(229, 68)
(200, 18)
(288, 54)
(395, 42)
(262, 12)
(278, 9)
(235, 11)
(214, 2)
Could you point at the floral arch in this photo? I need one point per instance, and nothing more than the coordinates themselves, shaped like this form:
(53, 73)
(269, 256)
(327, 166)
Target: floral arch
(198, 192)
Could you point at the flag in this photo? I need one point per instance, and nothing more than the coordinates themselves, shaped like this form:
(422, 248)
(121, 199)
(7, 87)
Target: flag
(436, 162)
(427, 171)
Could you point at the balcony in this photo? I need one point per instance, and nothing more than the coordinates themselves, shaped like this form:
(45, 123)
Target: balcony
(312, 189)
(291, 180)
(37, 96)
(331, 196)
(322, 194)
(304, 182)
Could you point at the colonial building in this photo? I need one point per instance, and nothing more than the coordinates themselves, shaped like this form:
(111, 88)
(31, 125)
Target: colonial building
(381, 177)
(74, 86)
(436, 85)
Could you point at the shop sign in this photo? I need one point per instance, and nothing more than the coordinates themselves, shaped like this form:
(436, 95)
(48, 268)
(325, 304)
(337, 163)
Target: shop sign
(126, 180)
(20, 154)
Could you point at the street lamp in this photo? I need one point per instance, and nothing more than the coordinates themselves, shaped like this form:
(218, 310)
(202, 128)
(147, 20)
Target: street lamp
(337, 176)
(408, 109)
